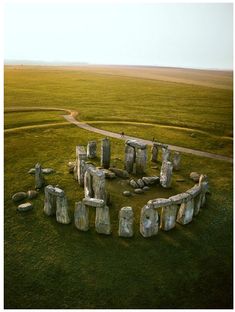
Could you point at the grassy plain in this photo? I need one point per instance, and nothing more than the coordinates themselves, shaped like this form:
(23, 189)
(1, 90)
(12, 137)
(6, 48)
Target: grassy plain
(48, 265)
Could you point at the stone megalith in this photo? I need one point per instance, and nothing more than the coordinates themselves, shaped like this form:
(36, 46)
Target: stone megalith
(165, 154)
(154, 152)
(141, 160)
(129, 158)
(203, 182)
(49, 201)
(98, 184)
(62, 215)
(102, 220)
(166, 174)
(195, 192)
(39, 179)
(91, 149)
(81, 216)
(126, 222)
(148, 221)
(80, 163)
(185, 213)
(176, 161)
(88, 189)
(105, 153)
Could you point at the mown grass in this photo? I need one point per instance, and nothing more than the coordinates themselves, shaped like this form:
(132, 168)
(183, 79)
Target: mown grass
(104, 97)
(49, 265)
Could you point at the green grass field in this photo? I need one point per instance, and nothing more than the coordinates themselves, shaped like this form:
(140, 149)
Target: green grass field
(49, 265)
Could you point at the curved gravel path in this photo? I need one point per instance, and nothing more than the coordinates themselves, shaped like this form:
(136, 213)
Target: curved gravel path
(71, 118)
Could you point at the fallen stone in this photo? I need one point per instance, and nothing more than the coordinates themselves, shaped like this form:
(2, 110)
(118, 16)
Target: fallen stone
(138, 191)
(48, 170)
(133, 183)
(109, 174)
(32, 194)
(71, 165)
(31, 171)
(146, 188)
(195, 176)
(127, 193)
(150, 180)
(120, 173)
(19, 196)
(129, 158)
(25, 207)
(140, 183)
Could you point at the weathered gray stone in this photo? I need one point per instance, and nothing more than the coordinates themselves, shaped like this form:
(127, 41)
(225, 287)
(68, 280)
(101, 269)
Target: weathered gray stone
(133, 183)
(88, 189)
(159, 202)
(105, 153)
(120, 173)
(197, 204)
(136, 144)
(185, 213)
(62, 215)
(194, 176)
(39, 180)
(126, 222)
(138, 191)
(129, 158)
(168, 217)
(148, 221)
(127, 193)
(91, 149)
(203, 182)
(140, 183)
(176, 161)
(154, 153)
(195, 190)
(179, 198)
(141, 160)
(146, 188)
(47, 170)
(31, 171)
(49, 201)
(25, 207)
(32, 194)
(81, 216)
(166, 174)
(109, 174)
(80, 163)
(93, 202)
(150, 180)
(98, 185)
(19, 196)
(71, 165)
(165, 154)
(102, 221)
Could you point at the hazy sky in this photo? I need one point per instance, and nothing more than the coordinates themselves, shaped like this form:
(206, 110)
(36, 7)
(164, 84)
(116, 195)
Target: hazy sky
(181, 35)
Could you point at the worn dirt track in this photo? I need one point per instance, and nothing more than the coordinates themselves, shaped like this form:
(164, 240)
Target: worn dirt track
(71, 117)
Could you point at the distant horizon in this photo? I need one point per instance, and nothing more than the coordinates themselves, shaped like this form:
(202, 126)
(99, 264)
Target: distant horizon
(25, 62)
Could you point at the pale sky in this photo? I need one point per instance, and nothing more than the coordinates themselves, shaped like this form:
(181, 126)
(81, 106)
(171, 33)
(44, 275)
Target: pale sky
(180, 35)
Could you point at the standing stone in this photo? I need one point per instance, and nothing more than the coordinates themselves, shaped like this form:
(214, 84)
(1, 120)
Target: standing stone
(141, 160)
(154, 153)
(98, 183)
(91, 149)
(80, 164)
(49, 201)
(195, 192)
(62, 215)
(129, 158)
(203, 182)
(102, 221)
(88, 190)
(105, 153)
(176, 161)
(81, 216)
(125, 222)
(165, 154)
(168, 217)
(166, 174)
(39, 180)
(148, 221)
(185, 213)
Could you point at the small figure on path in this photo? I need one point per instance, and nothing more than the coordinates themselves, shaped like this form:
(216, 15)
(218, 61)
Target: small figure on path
(153, 139)
(122, 134)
